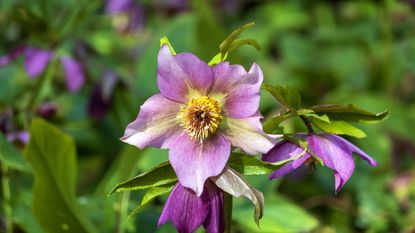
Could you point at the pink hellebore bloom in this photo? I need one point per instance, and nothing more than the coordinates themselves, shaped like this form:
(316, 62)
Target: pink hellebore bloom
(188, 212)
(336, 153)
(200, 112)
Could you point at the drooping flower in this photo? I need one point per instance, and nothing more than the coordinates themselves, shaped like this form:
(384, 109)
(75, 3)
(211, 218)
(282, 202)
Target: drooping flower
(36, 60)
(200, 112)
(188, 212)
(335, 152)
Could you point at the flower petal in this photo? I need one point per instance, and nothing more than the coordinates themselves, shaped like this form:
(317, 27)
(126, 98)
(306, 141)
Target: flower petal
(194, 162)
(335, 155)
(184, 209)
(214, 222)
(36, 61)
(180, 75)
(118, 6)
(354, 149)
(74, 75)
(155, 124)
(241, 89)
(248, 135)
(282, 151)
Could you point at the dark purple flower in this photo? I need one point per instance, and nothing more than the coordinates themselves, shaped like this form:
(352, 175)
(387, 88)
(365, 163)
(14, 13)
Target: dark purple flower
(47, 110)
(200, 112)
(335, 152)
(101, 95)
(188, 212)
(36, 60)
(128, 8)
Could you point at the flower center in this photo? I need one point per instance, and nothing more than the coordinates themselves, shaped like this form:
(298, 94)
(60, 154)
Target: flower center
(200, 116)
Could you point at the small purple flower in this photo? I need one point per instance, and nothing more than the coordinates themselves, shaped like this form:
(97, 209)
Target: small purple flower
(101, 95)
(187, 211)
(335, 152)
(36, 60)
(132, 10)
(200, 112)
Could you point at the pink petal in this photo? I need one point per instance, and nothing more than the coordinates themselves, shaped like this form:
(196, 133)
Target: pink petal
(178, 75)
(36, 61)
(335, 155)
(241, 89)
(184, 209)
(194, 162)
(74, 74)
(215, 222)
(248, 135)
(155, 124)
(282, 151)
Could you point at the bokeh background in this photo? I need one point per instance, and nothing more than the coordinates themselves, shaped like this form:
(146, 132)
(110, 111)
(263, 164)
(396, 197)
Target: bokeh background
(360, 52)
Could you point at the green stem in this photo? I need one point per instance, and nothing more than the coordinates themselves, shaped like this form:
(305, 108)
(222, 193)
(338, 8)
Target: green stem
(122, 217)
(6, 195)
(228, 212)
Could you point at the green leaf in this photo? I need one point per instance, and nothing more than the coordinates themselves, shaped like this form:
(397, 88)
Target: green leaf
(249, 165)
(217, 59)
(11, 157)
(241, 42)
(227, 43)
(165, 41)
(338, 127)
(271, 124)
(235, 184)
(52, 154)
(152, 193)
(160, 175)
(287, 96)
(350, 113)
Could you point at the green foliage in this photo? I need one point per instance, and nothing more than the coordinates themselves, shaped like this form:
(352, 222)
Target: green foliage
(52, 155)
(338, 127)
(11, 157)
(349, 113)
(287, 96)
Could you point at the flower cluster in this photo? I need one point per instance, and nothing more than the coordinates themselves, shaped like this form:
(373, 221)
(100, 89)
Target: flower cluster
(204, 110)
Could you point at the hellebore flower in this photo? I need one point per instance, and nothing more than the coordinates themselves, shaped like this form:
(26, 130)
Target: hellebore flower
(335, 152)
(134, 15)
(187, 211)
(36, 60)
(200, 112)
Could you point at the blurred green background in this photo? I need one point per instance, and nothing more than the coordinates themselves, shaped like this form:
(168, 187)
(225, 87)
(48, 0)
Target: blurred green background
(360, 52)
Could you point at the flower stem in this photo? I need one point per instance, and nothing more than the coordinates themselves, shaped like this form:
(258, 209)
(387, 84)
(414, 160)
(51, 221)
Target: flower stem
(6, 196)
(228, 212)
(307, 124)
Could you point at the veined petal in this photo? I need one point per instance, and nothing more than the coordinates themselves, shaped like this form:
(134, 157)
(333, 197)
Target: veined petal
(353, 149)
(36, 61)
(155, 124)
(334, 155)
(184, 209)
(240, 88)
(180, 75)
(282, 151)
(194, 162)
(214, 222)
(248, 135)
(74, 75)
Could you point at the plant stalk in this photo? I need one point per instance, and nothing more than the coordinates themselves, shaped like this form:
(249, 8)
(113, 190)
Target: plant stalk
(5, 181)
(228, 212)
(307, 124)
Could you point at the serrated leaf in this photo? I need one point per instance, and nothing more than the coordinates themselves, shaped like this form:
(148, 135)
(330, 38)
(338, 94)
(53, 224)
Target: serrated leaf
(338, 127)
(249, 165)
(11, 157)
(227, 43)
(160, 175)
(235, 184)
(152, 193)
(52, 154)
(350, 113)
(287, 96)
(165, 41)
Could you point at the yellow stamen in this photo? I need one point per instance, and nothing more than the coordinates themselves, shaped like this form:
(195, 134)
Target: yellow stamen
(200, 116)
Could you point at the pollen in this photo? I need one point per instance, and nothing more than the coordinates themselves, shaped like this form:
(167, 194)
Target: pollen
(200, 117)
